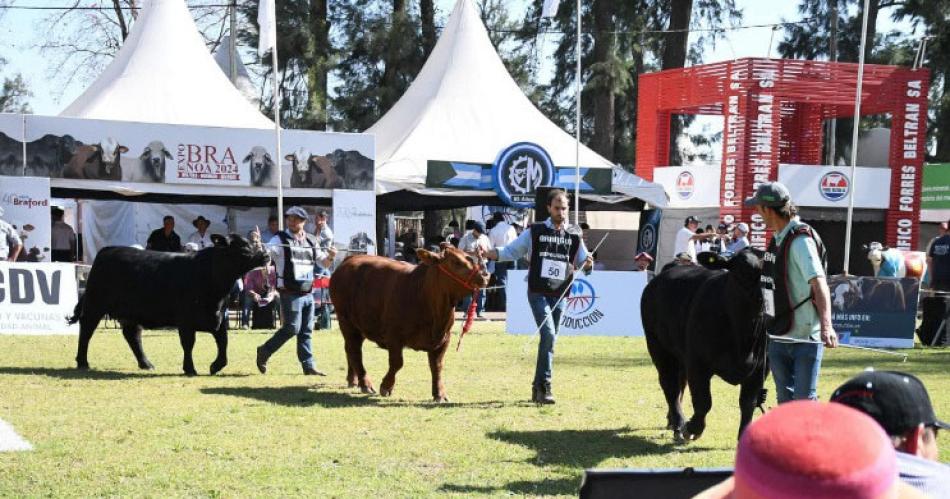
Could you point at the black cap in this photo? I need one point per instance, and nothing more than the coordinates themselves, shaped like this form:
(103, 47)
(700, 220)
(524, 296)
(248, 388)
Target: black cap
(296, 211)
(478, 226)
(772, 194)
(897, 401)
(691, 219)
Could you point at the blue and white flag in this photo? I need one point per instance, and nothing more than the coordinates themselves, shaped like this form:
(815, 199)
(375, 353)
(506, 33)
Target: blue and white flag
(267, 23)
(549, 9)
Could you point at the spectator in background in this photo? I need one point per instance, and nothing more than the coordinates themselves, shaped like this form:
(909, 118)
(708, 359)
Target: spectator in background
(687, 236)
(273, 227)
(501, 235)
(598, 265)
(10, 242)
(740, 238)
(63, 238)
(165, 239)
(474, 243)
(938, 263)
(642, 261)
(900, 404)
(720, 243)
(324, 237)
(813, 449)
(201, 237)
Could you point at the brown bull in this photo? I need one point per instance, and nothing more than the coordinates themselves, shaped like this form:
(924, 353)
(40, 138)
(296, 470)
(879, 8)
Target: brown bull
(398, 305)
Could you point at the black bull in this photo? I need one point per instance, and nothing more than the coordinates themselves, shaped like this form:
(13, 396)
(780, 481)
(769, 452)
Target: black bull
(142, 288)
(700, 322)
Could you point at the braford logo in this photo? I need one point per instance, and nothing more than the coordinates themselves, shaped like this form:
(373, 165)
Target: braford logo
(834, 186)
(580, 306)
(15, 199)
(206, 162)
(685, 185)
(519, 171)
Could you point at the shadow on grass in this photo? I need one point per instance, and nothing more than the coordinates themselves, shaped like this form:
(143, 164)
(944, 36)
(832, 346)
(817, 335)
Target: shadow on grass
(575, 449)
(919, 361)
(306, 396)
(73, 373)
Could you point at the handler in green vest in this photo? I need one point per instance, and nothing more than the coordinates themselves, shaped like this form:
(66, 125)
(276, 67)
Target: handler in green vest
(795, 295)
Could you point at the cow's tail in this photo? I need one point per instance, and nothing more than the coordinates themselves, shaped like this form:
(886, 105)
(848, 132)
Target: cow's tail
(77, 312)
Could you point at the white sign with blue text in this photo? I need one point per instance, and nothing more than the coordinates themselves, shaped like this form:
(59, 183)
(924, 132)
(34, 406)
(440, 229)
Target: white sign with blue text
(600, 304)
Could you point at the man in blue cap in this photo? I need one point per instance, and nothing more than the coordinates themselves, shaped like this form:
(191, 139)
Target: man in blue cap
(296, 253)
(795, 295)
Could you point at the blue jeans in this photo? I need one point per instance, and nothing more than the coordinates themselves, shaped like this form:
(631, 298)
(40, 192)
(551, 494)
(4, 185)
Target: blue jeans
(478, 306)
(246, 304)
(501, 279)
(297, 314)
(541, 308)
(795, 368)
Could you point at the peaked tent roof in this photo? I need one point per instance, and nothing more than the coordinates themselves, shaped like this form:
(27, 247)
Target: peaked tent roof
(243, 80)
(164, 74)
(464, 106)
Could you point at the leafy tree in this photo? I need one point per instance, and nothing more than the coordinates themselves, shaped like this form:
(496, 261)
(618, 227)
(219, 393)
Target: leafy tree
(14, 93)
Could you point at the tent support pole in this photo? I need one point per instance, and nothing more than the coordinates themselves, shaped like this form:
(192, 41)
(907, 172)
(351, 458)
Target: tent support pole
(280, 158)
(577, 123)
(854, 137)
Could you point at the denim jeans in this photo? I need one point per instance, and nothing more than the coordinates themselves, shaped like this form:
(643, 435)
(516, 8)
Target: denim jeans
(297, 313)
(501, 279)
(795, 368)
(541, 308)
(246, 304)
(479, 307)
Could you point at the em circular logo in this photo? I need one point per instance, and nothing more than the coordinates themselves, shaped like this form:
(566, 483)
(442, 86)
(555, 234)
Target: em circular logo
(685, 185)
(648, 238)
(581, 298)
(519, 171)
(834, 186)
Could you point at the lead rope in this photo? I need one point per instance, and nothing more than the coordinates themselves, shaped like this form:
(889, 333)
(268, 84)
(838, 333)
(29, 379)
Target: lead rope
(469, 318)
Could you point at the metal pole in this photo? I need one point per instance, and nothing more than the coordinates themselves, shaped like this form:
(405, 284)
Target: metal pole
(577, 124)
(280, 188)
(854, 135)
(833, 56)
(232, 43)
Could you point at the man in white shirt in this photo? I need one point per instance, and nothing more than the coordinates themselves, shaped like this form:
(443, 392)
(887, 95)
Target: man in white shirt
(63, 238)
(501, 235)
(473, 243)
(687, 235)
(201, 237)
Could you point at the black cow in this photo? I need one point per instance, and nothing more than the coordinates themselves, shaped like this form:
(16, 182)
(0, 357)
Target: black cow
(11, 155)
(701, 322)
(48, 155)
(143, 288)
(355, 169)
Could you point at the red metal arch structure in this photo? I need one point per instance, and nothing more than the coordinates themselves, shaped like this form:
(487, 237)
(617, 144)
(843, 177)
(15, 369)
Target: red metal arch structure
(773, 112)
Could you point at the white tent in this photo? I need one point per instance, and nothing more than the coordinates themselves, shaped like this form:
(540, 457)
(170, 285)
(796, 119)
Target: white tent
(464, 106)
(243, 78)
(164, 73)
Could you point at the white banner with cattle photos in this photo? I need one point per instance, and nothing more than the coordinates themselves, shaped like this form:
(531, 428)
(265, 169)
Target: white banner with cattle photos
(160, 158)
(36, 298)
(603, 303)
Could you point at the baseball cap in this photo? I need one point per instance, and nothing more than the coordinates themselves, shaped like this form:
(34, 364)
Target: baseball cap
(480, 227)
(643, 255)
(691, 219)
(897, 401)
(743, 227)
(794, 451)
(296, 211)
(772, 194)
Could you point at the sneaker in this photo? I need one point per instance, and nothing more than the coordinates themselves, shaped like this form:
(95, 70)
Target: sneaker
(261, 359)
(309, 371)
(542, 395)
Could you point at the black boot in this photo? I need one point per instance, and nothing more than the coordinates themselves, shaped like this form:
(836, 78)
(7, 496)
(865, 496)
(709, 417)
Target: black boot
(542, 394)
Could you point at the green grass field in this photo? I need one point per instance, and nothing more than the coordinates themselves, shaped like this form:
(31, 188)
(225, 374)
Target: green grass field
(118, 431)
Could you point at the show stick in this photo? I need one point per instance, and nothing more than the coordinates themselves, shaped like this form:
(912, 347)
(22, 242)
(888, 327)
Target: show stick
(842, 345)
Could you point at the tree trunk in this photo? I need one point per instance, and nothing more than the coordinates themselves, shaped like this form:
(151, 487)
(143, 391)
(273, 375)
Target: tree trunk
(391, 56)
(674, 56)
(319, 55)
(603, 140)
(427, 12)
(120, 17)
(874, 6)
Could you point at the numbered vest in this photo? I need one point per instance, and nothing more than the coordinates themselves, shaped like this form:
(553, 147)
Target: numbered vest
(777, 299)
(299, 259)
(552, 256)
